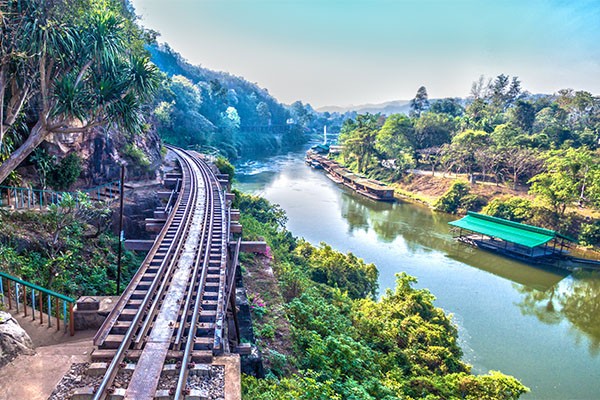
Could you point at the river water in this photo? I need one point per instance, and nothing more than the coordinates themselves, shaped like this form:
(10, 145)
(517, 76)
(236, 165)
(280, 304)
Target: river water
(540, 325)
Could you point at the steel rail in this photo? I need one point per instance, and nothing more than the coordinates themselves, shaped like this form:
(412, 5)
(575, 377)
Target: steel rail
(187, 245)
(183, 373)
(169, 259)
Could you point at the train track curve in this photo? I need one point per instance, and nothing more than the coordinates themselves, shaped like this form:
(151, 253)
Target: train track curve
(174, 309)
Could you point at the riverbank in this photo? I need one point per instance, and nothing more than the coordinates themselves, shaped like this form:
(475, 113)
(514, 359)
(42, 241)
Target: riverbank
(341, 339)
(427, 188)
(474, 286)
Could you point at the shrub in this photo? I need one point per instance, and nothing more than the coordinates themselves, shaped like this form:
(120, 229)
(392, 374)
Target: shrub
(511, 208)
(65, 173)
(136, 155)
(452, 200)
(590, 234)
(225, 167)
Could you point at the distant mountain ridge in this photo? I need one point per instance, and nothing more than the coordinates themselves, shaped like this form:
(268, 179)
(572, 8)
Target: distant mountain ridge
(387, 108)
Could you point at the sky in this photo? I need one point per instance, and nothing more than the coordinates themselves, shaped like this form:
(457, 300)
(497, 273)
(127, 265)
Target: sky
(351, 52)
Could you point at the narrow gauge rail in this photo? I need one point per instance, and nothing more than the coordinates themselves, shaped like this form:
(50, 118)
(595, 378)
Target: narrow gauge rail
(171, 309)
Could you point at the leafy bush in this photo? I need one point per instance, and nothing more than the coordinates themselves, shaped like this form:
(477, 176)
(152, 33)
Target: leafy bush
(136, 155)
(511, 208)
(225, 167)
(452, 200)
(65, 173)
(344, 271)
(590, 234)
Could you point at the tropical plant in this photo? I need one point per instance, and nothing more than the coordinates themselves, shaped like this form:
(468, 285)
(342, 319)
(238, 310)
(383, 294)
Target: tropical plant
(67, 67)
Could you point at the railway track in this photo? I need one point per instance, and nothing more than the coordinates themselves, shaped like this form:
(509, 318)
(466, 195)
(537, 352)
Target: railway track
(173, 311)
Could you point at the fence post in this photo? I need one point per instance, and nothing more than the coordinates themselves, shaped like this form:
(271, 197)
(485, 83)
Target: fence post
(25, 299)
(41, 308)
(71, 320)
(17, 296)
(49, 299)
(32, 304)
(57, 314)
(9, 294)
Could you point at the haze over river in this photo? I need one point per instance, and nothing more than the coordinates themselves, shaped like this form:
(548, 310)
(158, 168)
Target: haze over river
(539, 325)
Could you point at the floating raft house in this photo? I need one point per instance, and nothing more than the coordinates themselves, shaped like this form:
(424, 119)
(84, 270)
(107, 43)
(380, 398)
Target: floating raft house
(511, 238)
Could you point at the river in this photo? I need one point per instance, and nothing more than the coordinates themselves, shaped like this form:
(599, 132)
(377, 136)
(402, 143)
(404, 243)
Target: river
(540, 325)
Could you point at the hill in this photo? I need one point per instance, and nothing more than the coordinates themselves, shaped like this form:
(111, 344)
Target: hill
(201, 107)
(387, 108)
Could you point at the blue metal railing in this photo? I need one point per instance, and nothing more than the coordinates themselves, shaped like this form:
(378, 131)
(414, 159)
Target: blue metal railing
(27, 197)
(13, 288)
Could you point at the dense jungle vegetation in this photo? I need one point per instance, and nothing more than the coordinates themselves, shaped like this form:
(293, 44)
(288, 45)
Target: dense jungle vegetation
(225, 113)
(542, 145)
(68, 249)
(345, 344)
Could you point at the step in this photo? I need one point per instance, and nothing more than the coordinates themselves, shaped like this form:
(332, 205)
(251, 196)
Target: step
(203, 343)
(113, 341)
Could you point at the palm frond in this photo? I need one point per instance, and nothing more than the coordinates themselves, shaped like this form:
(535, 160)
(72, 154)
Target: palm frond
(126, 112)
(72, 101)
(144, 76)
(104, 37)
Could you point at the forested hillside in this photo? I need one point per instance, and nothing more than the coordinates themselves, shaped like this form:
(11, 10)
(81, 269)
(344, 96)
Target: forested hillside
(200, 107)
(543, 146)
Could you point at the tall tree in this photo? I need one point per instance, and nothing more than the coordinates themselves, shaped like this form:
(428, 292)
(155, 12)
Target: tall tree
(67, 67)
(571, 175)
(394, 136)
(420, 103)
(359, 137)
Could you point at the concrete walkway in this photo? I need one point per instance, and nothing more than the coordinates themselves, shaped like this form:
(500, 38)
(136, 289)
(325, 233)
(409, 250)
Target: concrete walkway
(35, 377)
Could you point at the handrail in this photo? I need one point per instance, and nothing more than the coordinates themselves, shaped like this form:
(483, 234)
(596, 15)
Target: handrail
(33, 197)
(36, 287)
(20, 297)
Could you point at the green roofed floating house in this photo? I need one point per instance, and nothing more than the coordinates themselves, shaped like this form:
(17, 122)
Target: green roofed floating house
(526, 242)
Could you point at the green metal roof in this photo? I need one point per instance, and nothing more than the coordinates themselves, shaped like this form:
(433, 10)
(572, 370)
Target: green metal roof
(514, 232)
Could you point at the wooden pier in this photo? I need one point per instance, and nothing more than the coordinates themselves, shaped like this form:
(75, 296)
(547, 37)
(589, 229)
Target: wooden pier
(367, 187)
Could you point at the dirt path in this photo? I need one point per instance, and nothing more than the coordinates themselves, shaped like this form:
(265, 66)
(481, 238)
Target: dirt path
(35, 377)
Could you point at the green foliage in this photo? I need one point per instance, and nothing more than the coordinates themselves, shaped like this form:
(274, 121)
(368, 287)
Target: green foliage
(420, 103)
(70, 252)
(590, 234)
(571, 175)
(199, 107)
(65, 173)
(453, 199)
(136, 155)
(346, 344)
(296, 387)
(346, 272)
(74, 65)
(225, 167)
(512, 208)
(44, 163)
(359, 139)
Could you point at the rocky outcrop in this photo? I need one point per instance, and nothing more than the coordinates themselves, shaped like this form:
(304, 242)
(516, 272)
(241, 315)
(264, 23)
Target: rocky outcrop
(103, 151)
(13, 339)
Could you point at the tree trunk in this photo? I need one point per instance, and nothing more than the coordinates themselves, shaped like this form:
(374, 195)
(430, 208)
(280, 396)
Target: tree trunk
(36, 137)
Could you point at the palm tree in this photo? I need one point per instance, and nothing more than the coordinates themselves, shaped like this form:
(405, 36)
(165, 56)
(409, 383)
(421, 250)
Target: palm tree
(67, 77)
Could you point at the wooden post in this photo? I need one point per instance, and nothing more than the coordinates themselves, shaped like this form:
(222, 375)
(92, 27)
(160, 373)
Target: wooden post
(25, 299)
(71, 320)
(121, 233)
(57, 314)
(41, 308)
(235, 318)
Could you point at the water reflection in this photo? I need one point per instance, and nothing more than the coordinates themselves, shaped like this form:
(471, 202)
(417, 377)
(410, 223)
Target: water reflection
(537, 324)
(576, 300)
(421, 230)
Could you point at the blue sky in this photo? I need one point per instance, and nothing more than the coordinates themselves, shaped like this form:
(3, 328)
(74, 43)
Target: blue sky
(342, 52)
